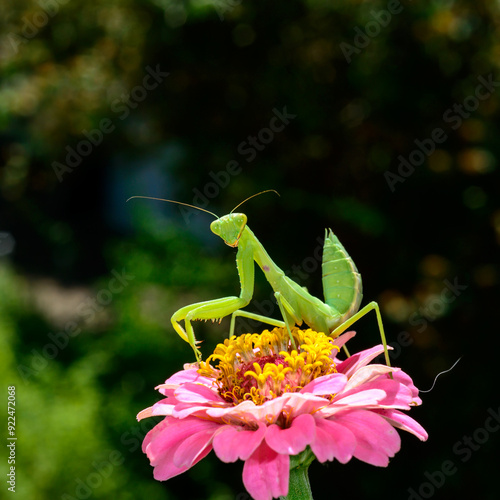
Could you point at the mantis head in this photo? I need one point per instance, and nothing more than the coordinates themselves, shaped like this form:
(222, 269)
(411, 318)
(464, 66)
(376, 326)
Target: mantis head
(229, 228)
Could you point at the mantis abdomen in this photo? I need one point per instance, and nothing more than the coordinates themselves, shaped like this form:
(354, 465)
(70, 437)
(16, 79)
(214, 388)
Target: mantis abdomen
(342, 286)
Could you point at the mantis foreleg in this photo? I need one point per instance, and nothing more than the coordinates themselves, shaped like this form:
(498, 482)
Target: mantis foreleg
(211, 309)
(218, 308)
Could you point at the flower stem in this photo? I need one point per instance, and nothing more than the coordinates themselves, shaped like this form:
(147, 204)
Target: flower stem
(298, 485)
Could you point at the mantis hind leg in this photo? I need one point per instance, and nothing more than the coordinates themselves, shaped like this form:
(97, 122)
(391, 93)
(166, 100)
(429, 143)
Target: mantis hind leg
(369, 307)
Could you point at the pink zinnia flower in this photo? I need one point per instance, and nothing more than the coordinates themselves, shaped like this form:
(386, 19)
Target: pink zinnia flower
(266, 401)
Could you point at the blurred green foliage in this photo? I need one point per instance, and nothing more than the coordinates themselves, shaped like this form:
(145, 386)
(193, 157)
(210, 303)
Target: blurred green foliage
(67, 66)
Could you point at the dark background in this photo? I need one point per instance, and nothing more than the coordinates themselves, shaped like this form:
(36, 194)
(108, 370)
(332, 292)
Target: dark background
(359, 102)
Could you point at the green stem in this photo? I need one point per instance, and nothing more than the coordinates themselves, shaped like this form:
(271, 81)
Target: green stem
(298, 485)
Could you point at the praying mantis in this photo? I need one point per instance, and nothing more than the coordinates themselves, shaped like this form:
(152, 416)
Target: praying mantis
(342, 287)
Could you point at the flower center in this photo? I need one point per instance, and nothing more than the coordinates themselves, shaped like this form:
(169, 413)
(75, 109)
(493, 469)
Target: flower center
(261, 367)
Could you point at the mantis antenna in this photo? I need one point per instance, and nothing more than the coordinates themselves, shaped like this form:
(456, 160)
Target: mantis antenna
(441, 373)
(178, 203)
(253, 196)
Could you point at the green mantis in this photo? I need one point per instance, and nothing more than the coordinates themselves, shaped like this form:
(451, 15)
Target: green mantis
(342, 287)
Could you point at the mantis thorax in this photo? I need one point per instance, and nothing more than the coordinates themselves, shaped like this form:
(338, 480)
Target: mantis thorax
(229, 228)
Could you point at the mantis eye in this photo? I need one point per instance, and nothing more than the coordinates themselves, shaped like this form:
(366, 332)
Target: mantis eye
(215, 227)
(242, 220)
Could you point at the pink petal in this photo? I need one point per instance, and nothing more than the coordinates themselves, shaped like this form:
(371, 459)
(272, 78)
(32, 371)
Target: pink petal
(293, 440)
(165, 468)
(163, 407)
(190, 375)
(183, 377)
(356, 361)
(183, 410)
(188, 452)
(293, 404)
(155, 431)
(369, 373)
(249, 413)
(161, 443)
(265, 473)
(299, 404)
(166, 390)
(394, 394)
(343, 338)
(333, 441)
(404, 422)
(164, 439)
(197, 393)
(405, 379)
(364, 397)
(376, 439)
(148, 412)
(232, 443)
(325, 385)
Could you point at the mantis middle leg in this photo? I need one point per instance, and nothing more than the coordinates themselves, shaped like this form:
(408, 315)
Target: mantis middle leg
(285, 308)
(256, 317)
